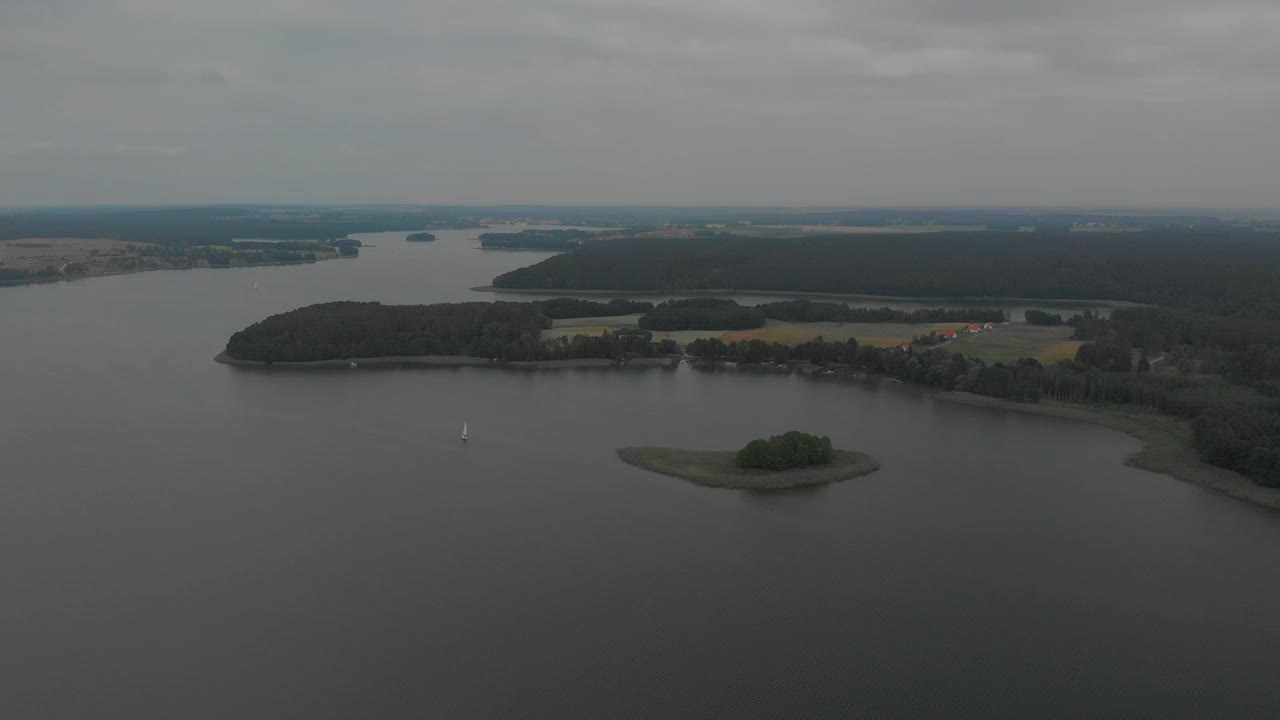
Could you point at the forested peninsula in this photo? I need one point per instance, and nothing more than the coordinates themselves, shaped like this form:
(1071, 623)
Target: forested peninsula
(495, 331)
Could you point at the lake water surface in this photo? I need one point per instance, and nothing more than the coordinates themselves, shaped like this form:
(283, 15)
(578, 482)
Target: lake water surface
(181, 539)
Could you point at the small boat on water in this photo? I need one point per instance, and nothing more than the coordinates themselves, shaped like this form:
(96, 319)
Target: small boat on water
(464, 430)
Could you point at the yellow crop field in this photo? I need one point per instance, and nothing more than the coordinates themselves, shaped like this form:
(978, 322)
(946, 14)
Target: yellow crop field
(1062, 351)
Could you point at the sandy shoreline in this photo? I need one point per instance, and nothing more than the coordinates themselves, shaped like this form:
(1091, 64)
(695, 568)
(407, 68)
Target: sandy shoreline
(448, 361)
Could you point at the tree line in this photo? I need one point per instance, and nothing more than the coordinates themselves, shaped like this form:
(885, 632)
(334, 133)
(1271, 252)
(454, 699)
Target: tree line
(702, 314)
(814, 311)
(721, 314)
(561, 308)
(1040, 317)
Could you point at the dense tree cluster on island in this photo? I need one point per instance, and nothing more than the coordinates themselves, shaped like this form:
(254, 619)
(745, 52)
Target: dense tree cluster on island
(792, 449)
(420, 237)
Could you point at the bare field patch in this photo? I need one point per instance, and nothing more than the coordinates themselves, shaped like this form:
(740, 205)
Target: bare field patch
(33, 254)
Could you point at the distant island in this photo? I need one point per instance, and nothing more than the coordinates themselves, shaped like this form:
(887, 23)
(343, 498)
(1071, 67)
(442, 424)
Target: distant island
(793, 459)
(420, 237)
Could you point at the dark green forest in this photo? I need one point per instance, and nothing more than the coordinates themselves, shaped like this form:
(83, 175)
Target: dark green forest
(420, 237)
(702, 314)
(1220, 272)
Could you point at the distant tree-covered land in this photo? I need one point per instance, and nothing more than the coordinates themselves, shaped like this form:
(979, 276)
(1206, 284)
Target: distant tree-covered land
(1046, 219)
(792, 449)
(702, 314)
(420, 237)
(561, 308)
(535, 240)
(210, 225)
(1223, 272)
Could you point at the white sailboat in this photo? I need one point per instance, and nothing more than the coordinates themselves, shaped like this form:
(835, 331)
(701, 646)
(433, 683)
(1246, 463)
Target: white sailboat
(464, 430)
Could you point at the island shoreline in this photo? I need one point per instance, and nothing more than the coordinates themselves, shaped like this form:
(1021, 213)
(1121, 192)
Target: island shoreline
(717, 469)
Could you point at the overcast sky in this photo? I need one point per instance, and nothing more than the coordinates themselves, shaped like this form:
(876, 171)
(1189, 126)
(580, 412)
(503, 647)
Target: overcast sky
(798, 102)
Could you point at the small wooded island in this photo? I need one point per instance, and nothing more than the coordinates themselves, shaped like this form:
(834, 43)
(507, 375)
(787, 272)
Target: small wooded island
(420, 237)
(793, 459)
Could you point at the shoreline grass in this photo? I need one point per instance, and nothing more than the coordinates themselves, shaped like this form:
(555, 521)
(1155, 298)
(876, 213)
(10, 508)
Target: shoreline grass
(1167, 447)
(716, 468)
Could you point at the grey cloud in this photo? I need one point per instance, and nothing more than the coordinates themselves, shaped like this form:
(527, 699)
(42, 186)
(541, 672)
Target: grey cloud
(691, 101)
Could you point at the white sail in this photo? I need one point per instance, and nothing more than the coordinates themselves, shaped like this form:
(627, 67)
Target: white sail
(464, 429)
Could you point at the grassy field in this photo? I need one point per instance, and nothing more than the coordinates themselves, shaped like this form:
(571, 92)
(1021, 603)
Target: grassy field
(787, 333)
(1012, 341)
(714, 468)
